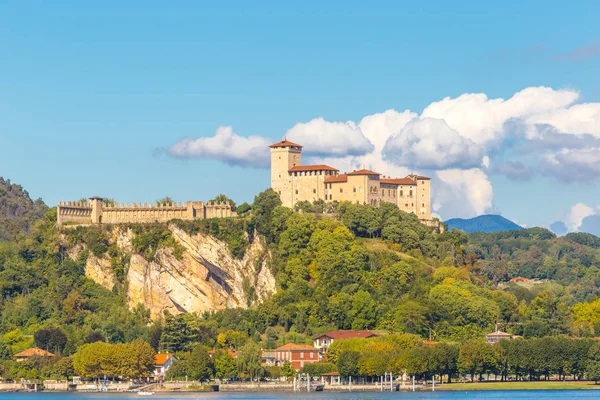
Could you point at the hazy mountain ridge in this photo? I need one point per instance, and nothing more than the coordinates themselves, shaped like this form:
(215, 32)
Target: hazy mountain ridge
(483, 223)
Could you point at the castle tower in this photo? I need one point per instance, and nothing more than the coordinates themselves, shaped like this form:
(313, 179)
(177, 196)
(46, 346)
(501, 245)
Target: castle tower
(284, 155)
(97, 203)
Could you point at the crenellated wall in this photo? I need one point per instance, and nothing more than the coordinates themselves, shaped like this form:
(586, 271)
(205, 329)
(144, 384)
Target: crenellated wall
(97, 212)
(73, 212)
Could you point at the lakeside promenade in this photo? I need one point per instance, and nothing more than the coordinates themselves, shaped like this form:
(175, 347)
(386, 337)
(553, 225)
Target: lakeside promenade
(274, 387)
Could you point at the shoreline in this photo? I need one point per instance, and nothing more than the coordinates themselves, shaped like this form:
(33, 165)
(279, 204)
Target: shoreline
(284, 388)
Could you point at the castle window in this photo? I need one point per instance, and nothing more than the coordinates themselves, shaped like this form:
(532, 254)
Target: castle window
(389, 192)
(402, 193)
(406, 205)
(354, 189)
(330, 196)
(423, 205)
(296, 191)
(314, 190)
(341, 190)
(410, 193)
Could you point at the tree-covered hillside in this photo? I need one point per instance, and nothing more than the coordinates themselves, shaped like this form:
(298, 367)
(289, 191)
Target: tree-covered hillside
(17, 211)
(337, 266)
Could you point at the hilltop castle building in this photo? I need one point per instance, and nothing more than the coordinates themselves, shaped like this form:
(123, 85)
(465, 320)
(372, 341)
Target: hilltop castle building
(295, 182)
(96, 211)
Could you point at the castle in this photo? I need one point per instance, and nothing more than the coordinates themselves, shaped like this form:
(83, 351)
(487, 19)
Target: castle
(98, 211)
(295, 182)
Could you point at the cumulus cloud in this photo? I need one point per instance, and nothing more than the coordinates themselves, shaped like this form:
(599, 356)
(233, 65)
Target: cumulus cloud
(482, 120)
(324, 138)
(379, 127)
(573, 165)
(536, 130)
(431, 144)
(462, 193)
(577, 119)
(226, 146)
(576, 215)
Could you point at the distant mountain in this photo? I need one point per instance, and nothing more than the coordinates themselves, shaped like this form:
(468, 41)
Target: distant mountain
(17, 211)
(483, 223)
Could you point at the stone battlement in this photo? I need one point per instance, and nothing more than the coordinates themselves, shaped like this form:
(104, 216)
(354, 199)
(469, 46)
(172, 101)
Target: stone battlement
(96, 211)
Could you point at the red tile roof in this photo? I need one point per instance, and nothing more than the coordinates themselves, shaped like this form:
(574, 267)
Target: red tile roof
(337, 178)
(399, 181)
(285, 143)
(423, 177)
(364, 172)
(296, 347)
(319, 167)
(161, 359)
(347, 334)
(33, 352)
(335, 373)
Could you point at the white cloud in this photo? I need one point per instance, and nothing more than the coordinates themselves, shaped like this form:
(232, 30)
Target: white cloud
(482, 120)
(462, 193)
(431, 144)
(379, 127)
(576, 215)
(577, 119)
(226, 146)
(321, 137)
(573, 165)
(456, 141)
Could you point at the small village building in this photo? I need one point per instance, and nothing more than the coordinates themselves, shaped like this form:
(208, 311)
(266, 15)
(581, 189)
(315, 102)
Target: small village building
(497, 336)
(323, 341)
(331, 378)
(268, 357)
(297, 354)
(162, 363)
(33, 352)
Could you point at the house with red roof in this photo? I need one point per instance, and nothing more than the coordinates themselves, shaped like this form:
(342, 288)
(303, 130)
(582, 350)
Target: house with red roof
(162, 363)
(297, 354)
(33, 352)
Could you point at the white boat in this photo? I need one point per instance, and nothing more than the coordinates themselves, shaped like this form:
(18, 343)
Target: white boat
(143, 393)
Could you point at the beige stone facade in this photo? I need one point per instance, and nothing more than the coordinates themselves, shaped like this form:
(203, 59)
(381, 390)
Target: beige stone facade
(95, 211)
(295, 182)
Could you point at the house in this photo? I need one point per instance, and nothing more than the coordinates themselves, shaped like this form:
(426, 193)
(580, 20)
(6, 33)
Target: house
(323, 341)
(162, 363)
(268, 357)
(497, 336)
(297, 355)
(32, 353)
(331, 378)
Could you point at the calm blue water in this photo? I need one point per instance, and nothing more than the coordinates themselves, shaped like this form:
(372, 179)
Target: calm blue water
(487, 395)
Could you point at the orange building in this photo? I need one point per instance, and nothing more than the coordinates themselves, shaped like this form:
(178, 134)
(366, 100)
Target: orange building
(297, 355)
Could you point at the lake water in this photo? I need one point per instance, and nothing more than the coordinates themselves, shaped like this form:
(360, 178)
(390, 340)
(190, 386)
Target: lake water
(487, 395)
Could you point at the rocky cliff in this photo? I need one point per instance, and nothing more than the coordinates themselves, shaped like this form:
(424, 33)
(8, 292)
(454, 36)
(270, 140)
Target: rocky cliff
(202, 276)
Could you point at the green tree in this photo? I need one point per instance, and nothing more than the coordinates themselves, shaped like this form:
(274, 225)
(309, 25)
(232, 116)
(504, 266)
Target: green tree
(249, 360)
(347, 363)
(225, 365)
(221, 198)
(287, 370)
(200, 365)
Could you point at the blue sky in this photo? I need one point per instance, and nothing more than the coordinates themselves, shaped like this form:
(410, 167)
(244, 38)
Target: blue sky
(93, 96)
